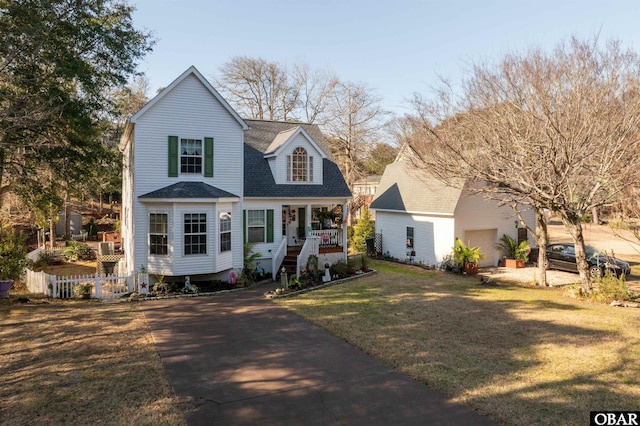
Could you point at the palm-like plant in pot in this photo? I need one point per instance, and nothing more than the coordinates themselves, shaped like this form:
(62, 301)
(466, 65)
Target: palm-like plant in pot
(516, 254)
(13, 252)
(466, 257)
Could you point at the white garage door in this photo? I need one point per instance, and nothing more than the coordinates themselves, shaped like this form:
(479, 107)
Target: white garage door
(486, 240)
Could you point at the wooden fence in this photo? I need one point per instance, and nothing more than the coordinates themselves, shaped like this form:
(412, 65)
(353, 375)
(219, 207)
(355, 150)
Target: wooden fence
(102, 286)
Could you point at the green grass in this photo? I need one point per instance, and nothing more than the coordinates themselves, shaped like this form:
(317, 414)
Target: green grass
(522, 355)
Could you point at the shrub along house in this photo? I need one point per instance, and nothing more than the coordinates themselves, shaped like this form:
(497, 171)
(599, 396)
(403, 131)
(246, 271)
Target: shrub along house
(199, 181)
(420, 218)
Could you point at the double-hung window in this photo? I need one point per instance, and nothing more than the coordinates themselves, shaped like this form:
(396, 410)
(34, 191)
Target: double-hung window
(225, 232)
(409, 237)
(195, 233)
(190, 156)
(158, 227)
(256, 226)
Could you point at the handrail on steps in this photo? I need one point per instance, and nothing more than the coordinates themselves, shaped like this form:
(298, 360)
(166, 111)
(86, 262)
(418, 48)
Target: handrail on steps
(311, 246)
(277, 259)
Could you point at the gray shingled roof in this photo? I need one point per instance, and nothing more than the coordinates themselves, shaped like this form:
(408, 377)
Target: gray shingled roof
(402, 189)
(188, 190)
(261, 134)
(280, 139)
(258, 179)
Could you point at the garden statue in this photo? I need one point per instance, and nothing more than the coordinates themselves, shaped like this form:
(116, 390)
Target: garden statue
(188, 288)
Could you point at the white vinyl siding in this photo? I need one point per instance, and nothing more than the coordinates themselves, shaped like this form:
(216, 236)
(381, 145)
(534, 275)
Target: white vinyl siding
(191, 112)
(474, 213)
(283, 166)
(432, 236)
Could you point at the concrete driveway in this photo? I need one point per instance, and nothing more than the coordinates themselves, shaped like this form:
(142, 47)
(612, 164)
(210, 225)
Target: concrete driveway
(240, 359)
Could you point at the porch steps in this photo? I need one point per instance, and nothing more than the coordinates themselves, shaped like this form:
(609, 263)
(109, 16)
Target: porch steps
(290, 260)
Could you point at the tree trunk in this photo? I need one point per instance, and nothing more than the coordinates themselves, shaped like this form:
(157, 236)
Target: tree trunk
(52, 234)
(594, 216)
(541, 240)
(574, 226)
(1, 174)
(67, 217)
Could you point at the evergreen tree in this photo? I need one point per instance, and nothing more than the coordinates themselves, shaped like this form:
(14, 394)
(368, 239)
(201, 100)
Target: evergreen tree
(364, 229)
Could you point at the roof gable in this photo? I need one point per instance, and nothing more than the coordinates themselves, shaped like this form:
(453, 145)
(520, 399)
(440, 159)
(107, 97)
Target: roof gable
(190, 71)
(403, 188)
(286, 137)
(258, 178)
(262, 133)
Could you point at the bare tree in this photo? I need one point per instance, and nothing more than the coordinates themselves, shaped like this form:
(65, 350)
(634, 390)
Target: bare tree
(262, 89)
(355, 117)
(558, 130)
(258, 88)
(315, 90)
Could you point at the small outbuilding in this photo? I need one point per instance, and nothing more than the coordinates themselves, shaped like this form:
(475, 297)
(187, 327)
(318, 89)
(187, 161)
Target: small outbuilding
(76, 223)
(419, 217)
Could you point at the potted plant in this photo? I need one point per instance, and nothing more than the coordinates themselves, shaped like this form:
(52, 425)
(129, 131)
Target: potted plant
(83, 290)
(516, 254)
(466, 257)
(13, 252)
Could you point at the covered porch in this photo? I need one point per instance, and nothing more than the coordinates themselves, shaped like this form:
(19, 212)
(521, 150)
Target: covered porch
(310, 229)
(317, 220)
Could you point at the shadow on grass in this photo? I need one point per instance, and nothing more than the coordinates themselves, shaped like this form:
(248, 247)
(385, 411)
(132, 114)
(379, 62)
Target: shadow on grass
(485, 345)
(480, 345)
(80, 363)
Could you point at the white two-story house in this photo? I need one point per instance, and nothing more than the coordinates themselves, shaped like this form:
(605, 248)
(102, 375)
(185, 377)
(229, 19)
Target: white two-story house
(199, 181)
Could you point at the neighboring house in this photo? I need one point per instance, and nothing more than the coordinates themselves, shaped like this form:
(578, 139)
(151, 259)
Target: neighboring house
(199, 181)
(420, 217)
(363, 192)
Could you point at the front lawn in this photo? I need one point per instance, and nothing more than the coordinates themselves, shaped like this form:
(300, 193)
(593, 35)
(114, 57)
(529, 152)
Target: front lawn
(521, 355)
(81, 363)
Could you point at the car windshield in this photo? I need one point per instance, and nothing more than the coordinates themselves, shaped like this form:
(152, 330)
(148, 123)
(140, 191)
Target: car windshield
(590, 251)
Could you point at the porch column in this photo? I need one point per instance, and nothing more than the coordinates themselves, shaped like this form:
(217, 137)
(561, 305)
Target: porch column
(307, 221)
(345, 206)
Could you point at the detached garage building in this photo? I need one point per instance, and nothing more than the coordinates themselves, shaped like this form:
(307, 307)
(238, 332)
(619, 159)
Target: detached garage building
(421, 217)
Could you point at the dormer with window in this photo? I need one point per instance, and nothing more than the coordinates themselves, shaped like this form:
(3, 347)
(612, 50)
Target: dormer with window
(295, 158)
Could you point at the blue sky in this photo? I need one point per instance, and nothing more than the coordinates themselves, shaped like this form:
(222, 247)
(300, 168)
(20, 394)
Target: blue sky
(396, 47)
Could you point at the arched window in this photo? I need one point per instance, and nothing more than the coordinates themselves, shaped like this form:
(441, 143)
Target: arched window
(299, 166)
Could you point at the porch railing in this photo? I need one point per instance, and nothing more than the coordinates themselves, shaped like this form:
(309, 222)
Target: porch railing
(278, 257)
(311, 246)
(328, 237)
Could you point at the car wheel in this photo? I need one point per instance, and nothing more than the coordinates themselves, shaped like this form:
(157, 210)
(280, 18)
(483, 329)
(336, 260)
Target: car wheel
(595, 271)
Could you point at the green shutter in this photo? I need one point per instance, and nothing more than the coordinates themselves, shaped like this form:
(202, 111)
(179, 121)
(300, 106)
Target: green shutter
(173, 156)
(244, 226)
(208, 157)
(302, 232)
(269, 226)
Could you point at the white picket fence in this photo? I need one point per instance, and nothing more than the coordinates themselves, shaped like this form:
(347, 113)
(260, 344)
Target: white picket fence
(102, 286)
